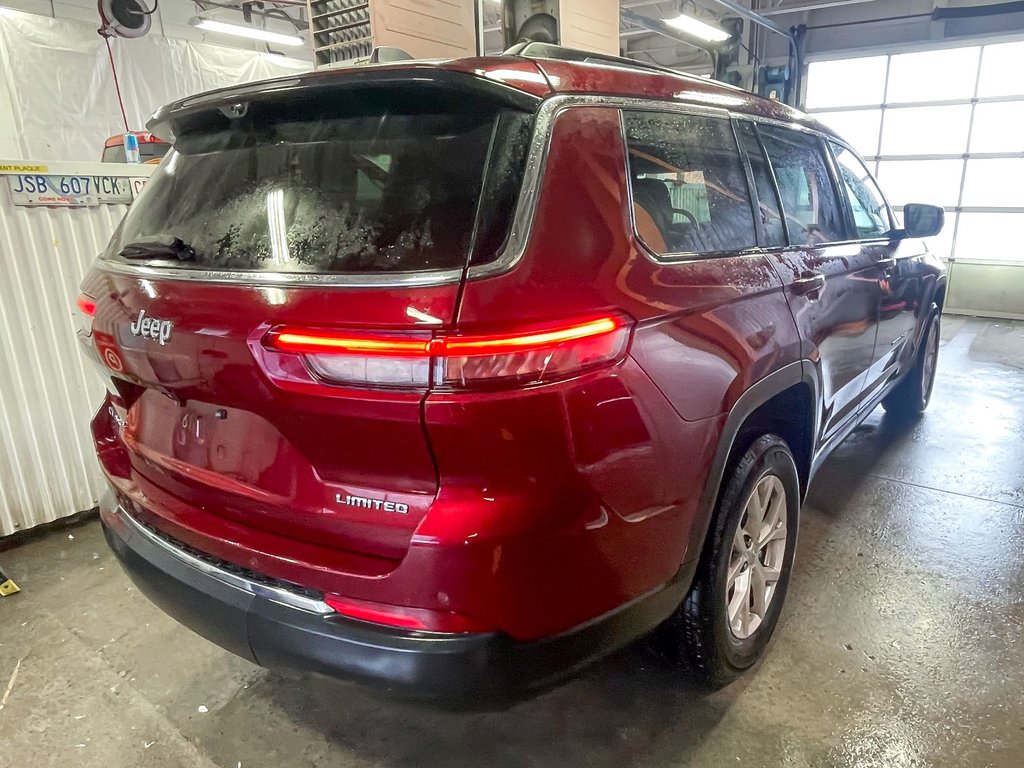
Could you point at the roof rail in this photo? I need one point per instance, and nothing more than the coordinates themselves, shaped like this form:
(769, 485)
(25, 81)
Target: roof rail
(534, 50)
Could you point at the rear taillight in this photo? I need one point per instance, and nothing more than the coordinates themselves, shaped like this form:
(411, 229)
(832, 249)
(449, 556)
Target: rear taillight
(456, 361)
(85, 312)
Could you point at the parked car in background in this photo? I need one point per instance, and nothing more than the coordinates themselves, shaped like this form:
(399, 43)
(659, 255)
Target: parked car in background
(151, 148)
(455, 377)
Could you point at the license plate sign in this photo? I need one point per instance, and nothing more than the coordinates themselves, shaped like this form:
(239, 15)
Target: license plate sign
(52, 190)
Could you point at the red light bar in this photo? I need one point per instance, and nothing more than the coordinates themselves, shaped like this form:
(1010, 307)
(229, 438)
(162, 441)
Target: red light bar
(403, 617)
(318, 342)
(410, 361)
(326, 341)
(86, 305)
(521, 342)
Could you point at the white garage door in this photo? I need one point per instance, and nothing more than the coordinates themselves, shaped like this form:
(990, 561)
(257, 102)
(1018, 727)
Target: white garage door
(943, 126)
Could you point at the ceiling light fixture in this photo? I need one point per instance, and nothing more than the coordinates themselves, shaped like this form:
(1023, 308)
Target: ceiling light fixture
(698, 28)
(243, 30)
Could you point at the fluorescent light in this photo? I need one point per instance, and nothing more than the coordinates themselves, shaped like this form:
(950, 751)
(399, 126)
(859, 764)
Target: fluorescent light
(244, 30)
(698, 28)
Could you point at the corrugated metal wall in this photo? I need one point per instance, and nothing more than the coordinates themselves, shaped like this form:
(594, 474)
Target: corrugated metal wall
(48, 392)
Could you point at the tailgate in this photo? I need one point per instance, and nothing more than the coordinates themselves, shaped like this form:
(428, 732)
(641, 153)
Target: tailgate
(345, 208)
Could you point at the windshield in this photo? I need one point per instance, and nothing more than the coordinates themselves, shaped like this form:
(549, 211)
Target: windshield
(377, 191)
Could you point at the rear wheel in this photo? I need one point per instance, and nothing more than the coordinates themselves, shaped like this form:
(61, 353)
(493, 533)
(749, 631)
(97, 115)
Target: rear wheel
(912, 395)
(727, 619)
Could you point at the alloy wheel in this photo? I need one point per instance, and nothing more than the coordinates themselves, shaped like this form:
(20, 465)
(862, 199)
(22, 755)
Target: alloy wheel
(755, 563)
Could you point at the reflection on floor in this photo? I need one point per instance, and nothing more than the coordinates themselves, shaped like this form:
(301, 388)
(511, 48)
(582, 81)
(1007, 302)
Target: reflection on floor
(900, 645)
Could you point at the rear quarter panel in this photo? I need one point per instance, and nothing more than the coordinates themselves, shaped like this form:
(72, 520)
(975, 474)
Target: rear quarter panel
(612, 467)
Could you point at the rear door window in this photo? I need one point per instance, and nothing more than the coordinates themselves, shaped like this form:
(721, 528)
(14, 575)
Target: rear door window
(813, 213)
(870, 213)
(688, 184)
(365, 187)
(772, 226)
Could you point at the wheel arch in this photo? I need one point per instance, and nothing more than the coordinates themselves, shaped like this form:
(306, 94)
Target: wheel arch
(768, 406)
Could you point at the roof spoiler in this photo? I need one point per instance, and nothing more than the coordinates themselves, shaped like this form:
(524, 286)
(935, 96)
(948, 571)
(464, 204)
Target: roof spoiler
(216, 109)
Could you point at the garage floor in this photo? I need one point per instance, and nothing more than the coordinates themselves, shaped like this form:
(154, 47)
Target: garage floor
(901, 643)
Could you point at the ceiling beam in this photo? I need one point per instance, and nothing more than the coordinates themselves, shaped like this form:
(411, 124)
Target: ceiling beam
(813, 5)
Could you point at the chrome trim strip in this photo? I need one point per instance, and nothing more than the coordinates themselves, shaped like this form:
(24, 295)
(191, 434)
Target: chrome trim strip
(276, 594)
(285, 279)
(536, 161)
(522, 222)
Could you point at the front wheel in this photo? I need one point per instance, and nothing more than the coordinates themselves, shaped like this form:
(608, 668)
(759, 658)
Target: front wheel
(911, 396)
(730, 613)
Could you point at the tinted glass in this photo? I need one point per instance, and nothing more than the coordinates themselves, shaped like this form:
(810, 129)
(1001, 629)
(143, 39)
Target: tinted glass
(774, 233)
(375, 191)
(813, 215)
(115, 154)
(870, 213)
(153, 150)
(689, 188)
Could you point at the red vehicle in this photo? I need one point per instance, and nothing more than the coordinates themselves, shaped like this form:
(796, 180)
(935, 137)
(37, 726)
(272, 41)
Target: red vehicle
(456, 377)
(151, 148)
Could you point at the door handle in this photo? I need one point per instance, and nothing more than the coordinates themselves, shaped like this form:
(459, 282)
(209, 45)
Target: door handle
(807, 285)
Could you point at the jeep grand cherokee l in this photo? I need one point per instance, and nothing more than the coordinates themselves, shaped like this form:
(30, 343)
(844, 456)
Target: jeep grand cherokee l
(458, 376)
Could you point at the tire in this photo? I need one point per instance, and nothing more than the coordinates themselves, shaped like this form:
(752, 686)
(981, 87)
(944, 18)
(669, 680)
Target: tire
(911, 396)
(705, 634)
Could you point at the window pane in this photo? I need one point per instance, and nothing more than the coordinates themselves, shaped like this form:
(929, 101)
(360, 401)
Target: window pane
(860, 128)
(942, 244)
(689, 188)
(383, 184)
(768, 202)
(998, 127)
(926, 130)
(994, 183)
(921, 181)
(813, 215)
(990, 236)
(870, 214)
(1001, 66)
(846, 82)
(933, 75)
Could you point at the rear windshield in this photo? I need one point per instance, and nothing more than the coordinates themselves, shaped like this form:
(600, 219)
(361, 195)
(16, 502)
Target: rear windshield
(369, 188)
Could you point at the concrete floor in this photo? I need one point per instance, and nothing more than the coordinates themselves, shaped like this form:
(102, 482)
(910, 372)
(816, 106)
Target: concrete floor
(900, 645)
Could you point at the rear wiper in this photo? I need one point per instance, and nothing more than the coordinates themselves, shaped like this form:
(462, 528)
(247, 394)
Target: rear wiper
(164, 247)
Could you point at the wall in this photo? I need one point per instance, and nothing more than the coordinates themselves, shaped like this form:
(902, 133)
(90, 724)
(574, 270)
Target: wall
(857, 25)
(48, 391)
(57, 96)
(57, 102)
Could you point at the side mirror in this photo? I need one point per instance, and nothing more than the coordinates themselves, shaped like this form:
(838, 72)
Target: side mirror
(920, 220)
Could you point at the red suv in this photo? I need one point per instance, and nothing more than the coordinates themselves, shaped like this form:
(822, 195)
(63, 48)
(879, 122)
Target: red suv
(458, 376)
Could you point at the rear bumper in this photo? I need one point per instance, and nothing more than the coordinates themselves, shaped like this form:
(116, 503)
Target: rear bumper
(278, 627)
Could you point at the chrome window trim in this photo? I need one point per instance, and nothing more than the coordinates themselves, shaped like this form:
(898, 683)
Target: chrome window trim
(522, 220)
(536, 162)
(285, 279)
(682, 257)
(276, 594)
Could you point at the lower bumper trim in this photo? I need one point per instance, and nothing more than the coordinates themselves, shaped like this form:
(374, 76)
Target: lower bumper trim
(270, 627)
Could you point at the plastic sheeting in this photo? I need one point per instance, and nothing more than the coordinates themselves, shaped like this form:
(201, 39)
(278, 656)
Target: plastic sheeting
(48, 390)
(63, 103)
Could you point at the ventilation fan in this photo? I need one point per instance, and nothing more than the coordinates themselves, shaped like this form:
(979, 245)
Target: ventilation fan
(539, 28)
(125, 18)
